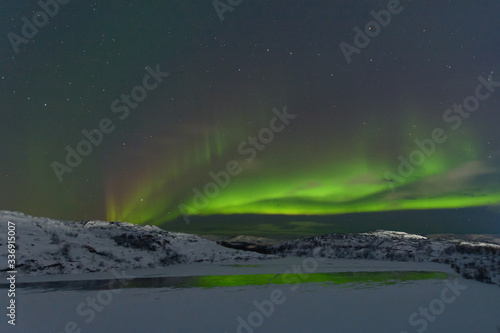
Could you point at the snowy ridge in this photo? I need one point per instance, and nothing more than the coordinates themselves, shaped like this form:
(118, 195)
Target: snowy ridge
(479, 261)
(47, 246)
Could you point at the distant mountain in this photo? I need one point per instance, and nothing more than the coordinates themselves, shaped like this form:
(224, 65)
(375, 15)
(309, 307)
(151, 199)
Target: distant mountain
(473, 260)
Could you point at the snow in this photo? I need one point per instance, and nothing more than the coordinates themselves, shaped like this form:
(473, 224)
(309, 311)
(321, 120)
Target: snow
(308, 308)
(51, 250)
(479, 261)
(47, 246)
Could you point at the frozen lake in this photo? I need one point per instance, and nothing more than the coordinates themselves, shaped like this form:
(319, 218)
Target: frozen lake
(138, 302)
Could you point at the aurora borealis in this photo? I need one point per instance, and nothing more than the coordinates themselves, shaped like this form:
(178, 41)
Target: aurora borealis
(394, 130)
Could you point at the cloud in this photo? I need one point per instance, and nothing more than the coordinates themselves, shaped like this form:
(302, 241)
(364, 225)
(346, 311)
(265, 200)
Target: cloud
(462, 179)
(310, 224)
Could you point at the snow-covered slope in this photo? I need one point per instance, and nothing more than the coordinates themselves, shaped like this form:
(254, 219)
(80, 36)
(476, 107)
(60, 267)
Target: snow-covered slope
(47, 246)
(473, 260)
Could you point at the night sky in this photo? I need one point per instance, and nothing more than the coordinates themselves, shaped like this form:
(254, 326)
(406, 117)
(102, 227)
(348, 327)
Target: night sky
(269, 116)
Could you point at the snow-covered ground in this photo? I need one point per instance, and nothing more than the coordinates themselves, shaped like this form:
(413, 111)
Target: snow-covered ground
(114, 254)
(47, 246)
(452, 305)
(473, 260)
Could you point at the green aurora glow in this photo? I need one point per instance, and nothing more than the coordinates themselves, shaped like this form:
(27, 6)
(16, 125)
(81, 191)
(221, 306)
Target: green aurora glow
(281, 181)
(329, 166)
(326, 279)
